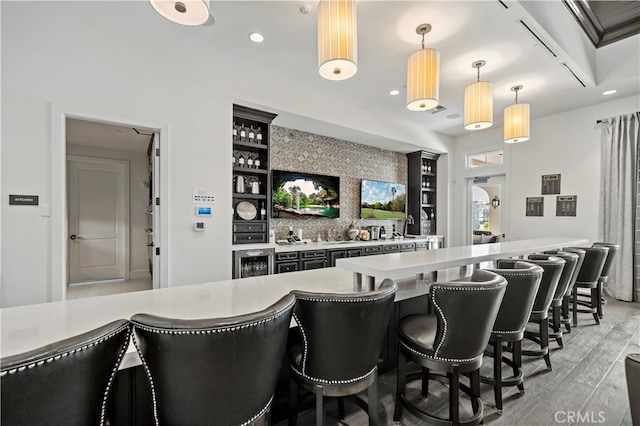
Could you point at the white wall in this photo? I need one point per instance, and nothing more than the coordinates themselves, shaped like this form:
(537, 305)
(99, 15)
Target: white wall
(138, 202)
(111, 58)
(566, 143)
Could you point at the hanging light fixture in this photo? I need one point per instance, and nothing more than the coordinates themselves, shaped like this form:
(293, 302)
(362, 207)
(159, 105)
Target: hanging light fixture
(478, 103)
(184, 12)
(337, 39)
(516, 121)
(423, 75)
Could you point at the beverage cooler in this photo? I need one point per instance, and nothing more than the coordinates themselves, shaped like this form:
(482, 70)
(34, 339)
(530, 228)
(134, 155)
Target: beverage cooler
(252, 263)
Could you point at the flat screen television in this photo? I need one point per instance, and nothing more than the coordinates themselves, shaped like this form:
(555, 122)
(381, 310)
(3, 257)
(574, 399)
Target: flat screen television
(382, 200)
(298, 195)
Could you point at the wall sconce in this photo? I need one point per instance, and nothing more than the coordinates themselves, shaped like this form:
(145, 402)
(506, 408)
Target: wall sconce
(516, 121)
(495, 202)
(337, 39)
(185, 12)
(423, 76)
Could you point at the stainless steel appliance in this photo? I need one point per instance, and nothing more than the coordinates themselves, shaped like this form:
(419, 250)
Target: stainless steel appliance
(374, 232)
(253, 263)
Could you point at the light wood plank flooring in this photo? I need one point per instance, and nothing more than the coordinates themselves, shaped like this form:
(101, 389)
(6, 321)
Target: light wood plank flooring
(587, 378)
(104, 288)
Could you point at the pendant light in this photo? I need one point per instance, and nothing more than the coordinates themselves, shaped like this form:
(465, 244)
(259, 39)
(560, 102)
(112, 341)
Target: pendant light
(337, 39)
(423, 75)
(184, 12)
(478, 103)
(516, 121)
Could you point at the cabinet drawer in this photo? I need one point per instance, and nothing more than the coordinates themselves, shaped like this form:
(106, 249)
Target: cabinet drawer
(372, 250)
(313, 264)
(249, 238)
(392, 248)
(407, 247)
(289, 255)
(314, 254)
(286, 267)
(249, 227)
(422, 245)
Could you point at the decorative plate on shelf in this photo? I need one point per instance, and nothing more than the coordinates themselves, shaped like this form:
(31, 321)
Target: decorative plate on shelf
(246, 210)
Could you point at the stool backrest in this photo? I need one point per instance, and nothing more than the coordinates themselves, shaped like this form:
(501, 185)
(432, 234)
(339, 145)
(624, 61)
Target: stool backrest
(523, 280)
(216, 370)
(466, 311)
(578, 252)
(342, 334)
(594, 259)
(613, 250)
(568, 272)
(65, 383)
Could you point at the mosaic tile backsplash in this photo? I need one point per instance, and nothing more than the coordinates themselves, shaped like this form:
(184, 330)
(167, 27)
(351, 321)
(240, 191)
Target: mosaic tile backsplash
(299, 151)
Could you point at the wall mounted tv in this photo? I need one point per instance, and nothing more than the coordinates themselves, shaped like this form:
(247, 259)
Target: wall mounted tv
(297, 195)
(382, 200)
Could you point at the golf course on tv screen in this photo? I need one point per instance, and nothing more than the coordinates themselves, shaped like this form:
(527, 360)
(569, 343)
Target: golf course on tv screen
(382, 200)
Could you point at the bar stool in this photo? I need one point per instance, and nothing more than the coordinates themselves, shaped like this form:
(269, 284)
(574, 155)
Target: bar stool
(339, 347)
(216, 370)
(452, 341)
(66, 382)
(523, 281)
(566, 299)
(564, 283)
(589, 278)
(606, 270)
(632, 373)
(552, 270)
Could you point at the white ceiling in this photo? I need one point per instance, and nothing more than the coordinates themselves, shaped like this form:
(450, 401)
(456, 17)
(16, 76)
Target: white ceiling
(463, 31)
(101, 135)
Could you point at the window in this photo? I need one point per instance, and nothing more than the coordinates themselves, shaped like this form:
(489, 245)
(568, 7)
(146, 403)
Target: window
(492, 158)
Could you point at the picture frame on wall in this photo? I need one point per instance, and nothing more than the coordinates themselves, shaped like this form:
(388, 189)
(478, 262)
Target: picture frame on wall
(535, 206)
(566, 205)
(550, 184)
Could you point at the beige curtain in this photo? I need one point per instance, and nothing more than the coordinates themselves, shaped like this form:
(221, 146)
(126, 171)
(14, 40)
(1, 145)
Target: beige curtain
(618, 198)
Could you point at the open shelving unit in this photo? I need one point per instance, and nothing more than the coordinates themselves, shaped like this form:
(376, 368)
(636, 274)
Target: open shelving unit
(421, 192)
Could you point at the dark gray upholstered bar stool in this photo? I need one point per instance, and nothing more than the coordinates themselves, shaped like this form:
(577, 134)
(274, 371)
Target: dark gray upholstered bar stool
(606, 269)
(565, 282)
(523, 281)
(341, 338)
(552, 267)
(216, 370)
(566, 299)
(65, 383)
(632, 371)
(588, 278)
(452, 341)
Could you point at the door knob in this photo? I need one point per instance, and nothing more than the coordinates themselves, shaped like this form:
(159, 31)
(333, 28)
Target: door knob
(74, 237)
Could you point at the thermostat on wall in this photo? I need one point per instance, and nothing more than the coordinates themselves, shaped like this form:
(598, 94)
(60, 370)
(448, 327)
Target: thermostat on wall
(204, 211)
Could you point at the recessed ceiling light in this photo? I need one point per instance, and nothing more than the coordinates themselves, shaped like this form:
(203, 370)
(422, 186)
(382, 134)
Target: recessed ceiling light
(256, 37)
(609, 92)
(394, 92)
(453, 116)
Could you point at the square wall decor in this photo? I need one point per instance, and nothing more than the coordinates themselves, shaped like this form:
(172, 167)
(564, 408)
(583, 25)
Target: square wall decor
(550, 184)
(535, 206)
(566, 205)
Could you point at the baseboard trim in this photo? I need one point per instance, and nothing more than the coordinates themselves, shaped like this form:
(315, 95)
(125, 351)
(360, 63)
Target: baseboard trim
(140, 273)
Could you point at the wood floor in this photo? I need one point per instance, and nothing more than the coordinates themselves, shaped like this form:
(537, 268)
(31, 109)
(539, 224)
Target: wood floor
(586, 386)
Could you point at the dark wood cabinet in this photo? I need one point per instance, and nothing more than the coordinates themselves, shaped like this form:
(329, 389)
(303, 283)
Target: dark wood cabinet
(342, 253)
(421, 192)
(287, 262)
(371, 250)
(313, 259)
(392, 248)
(251, 185)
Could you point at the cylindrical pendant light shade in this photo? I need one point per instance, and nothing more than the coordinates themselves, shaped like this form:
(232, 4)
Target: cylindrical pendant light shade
(337, 39)
(478, 106)
(423, 80)
(184, 12)
(516, 123)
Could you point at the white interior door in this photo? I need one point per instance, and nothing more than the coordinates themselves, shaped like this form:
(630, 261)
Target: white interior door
(156, 210)
(97, 218)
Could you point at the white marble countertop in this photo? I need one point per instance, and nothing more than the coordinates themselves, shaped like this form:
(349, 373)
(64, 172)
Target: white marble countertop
(396, 265)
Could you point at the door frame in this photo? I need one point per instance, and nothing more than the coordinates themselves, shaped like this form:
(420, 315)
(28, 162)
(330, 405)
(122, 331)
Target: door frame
(504, 205)
(59, 232)
(124, 167)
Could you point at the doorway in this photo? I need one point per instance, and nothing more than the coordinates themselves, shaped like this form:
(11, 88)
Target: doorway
(485, 208)
(111, 185)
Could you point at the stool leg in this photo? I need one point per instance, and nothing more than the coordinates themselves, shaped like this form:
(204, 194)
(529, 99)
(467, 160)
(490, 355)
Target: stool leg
(595, 302)
(319, 406)
(556, 325)
(425, 382)
(600, 283)
(341, 408)
(454, 394)
(497, 373)
(293, 402)
(544, 341)
(517, 362)
(373, 402)
(565, 312)
(401, 385)
(575, 306)
(474, 378)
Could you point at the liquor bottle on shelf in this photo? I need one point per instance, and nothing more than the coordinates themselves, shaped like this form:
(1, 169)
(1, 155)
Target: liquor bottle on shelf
(433, 215)
(429, 167)
(256, 162)
(243, 133)
(241, 160)
(428, 183)
(263, 212)
(259, 135)
(235, 131)
(234, 159)
(249, 161)
(252, 135)
(424, 184)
